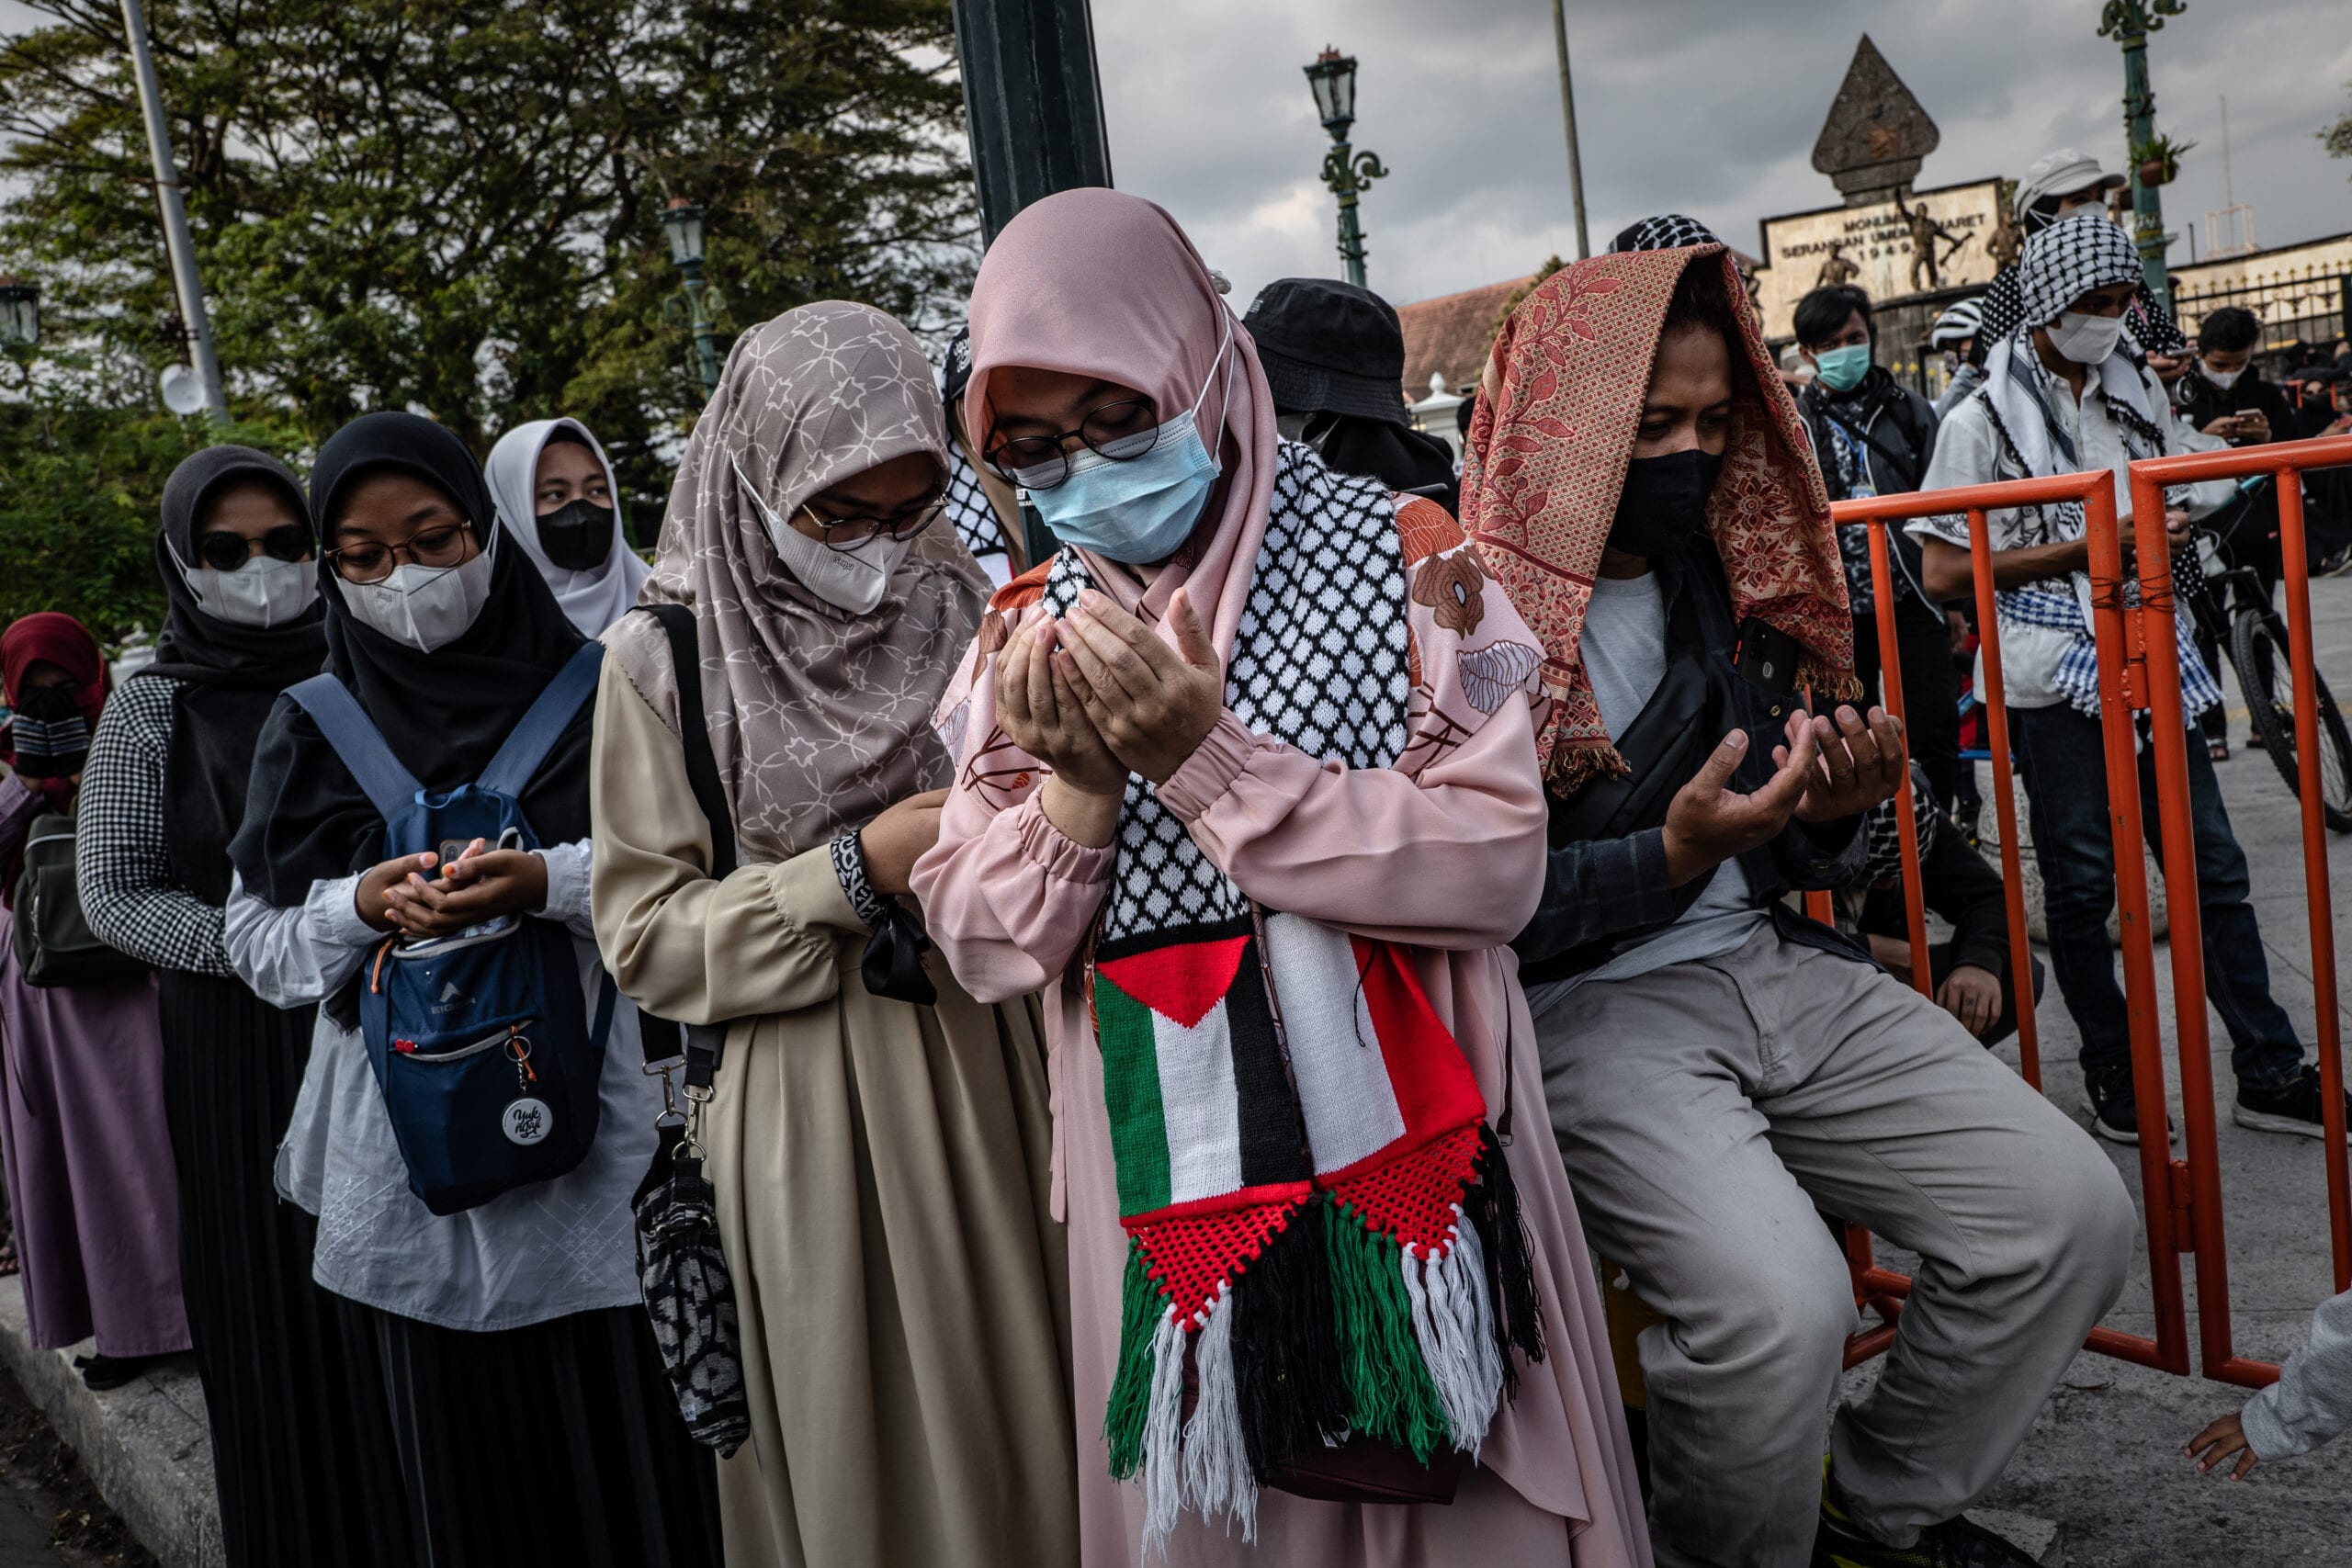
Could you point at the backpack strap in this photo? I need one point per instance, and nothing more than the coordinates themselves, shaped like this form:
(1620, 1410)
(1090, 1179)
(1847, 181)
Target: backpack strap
(703, 1041)
(355, 739)
(543, 724)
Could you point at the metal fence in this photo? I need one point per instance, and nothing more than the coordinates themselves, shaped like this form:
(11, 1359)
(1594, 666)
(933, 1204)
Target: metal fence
(2309, 306)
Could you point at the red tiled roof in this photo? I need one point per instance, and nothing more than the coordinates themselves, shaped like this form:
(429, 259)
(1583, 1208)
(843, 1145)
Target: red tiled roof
(1449, 335)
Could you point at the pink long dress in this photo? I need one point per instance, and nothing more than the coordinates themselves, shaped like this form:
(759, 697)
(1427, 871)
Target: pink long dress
(1448, 862)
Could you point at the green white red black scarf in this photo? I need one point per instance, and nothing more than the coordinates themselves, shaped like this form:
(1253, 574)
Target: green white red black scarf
(1323, 1231)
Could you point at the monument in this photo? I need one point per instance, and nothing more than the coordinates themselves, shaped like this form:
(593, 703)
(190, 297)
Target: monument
(1876, 134)
(1912, 250)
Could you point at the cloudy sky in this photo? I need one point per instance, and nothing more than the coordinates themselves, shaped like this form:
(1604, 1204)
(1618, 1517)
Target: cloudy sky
(1705, 106)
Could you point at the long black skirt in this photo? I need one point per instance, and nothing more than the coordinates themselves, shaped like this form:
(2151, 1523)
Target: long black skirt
(555, 1446)
(299, 1464)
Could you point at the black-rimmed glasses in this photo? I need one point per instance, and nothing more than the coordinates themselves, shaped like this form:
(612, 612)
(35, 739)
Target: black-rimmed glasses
(1120, 431)
(224, 551)
(850, 533)
(371, 562)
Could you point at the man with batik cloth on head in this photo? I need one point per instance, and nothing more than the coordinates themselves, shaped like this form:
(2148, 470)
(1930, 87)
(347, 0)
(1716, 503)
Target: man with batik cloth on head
(1717, 1066)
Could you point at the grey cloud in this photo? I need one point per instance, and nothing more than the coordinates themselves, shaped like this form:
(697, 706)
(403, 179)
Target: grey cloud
(1708, 106)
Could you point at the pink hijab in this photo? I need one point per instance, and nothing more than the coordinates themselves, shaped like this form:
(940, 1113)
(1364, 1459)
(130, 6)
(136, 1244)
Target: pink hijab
(1095, 283)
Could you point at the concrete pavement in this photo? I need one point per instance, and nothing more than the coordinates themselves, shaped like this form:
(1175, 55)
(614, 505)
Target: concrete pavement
(2104, 1459)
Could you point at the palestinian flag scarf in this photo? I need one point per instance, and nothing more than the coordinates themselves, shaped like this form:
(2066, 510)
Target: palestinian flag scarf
(1324, 1237)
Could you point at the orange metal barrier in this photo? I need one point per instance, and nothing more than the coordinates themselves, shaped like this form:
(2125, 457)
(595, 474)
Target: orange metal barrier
(2139, 669)
(2162, 1180)
(2153, 652)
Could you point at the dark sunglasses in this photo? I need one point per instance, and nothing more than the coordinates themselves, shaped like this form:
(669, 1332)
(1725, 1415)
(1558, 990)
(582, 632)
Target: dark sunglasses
(227, 552)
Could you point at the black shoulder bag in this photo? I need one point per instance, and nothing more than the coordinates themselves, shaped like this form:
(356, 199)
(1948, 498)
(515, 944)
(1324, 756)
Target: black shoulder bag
(681, 1271)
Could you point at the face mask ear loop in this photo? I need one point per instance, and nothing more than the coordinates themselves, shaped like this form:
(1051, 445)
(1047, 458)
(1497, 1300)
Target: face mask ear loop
(1225, 344)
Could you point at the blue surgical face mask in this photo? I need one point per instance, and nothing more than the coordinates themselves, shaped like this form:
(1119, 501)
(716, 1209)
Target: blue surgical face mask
(1842, 369)
(1141, 510)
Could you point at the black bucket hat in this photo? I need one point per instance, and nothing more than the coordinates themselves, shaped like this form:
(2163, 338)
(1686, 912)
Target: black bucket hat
(1330, 346)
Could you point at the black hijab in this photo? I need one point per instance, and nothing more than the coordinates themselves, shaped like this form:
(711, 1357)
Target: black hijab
(1396, 454)
(227, 675)
(445, 714)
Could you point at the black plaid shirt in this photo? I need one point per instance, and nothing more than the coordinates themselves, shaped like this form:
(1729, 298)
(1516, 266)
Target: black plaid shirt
(131, 899)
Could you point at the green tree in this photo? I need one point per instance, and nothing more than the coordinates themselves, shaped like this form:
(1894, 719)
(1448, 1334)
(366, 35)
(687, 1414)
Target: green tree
(455, 204)
(81, 483)
(2337, 138)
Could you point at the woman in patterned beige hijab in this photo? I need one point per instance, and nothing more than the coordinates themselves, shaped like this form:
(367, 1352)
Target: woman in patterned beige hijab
(881, 1166)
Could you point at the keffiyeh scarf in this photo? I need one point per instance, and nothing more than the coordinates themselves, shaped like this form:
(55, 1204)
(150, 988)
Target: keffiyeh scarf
(2020, 392)
(1324, 1238)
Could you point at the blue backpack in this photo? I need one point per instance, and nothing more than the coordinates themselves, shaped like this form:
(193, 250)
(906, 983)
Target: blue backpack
(480, 1042)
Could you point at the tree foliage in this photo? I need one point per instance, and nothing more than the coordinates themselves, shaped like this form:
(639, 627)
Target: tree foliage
(2337, 138)
(453, 205)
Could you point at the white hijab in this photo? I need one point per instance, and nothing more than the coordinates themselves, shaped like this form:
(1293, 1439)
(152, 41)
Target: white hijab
(592, 600)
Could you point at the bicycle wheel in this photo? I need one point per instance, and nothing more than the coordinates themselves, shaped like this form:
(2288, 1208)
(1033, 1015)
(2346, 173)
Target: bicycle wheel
(2265, 672)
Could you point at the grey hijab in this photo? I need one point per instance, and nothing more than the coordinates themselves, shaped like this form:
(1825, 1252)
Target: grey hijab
(820, 718)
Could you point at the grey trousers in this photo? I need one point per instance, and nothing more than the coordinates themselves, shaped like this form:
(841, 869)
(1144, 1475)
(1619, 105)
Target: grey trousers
(1704, 1110)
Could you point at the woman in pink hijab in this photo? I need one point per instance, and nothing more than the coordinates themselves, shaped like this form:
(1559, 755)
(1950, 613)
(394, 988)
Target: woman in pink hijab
(1246, 783)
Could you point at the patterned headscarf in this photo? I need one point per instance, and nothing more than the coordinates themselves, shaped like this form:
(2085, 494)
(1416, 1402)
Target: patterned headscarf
(819, 718)
(1546, 459)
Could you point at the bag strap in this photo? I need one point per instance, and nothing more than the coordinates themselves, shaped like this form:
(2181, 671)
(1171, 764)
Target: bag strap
(543, 724)
(355, 739)
(703, 1041)
(693, 734)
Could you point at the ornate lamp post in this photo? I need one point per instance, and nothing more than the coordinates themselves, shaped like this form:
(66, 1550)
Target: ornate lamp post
(20, 312)
(682, 226)
(2130, 22)
(1347, 173)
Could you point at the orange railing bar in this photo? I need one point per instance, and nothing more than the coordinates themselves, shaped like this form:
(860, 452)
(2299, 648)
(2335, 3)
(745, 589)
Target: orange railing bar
(1881, 1287)
(2169, 741)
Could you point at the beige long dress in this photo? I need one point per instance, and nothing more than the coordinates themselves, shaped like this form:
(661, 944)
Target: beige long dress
(882, 1181)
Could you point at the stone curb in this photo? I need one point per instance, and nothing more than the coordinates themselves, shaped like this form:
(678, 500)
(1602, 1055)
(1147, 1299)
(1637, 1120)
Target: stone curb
(146, 1446)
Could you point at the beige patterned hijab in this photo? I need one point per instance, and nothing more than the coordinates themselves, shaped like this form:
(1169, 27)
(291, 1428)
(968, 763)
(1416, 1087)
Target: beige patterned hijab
(820, 718)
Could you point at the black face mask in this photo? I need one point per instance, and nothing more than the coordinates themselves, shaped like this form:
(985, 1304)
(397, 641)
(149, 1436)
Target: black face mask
(52, 737)
(1664, 502)
(577, 535)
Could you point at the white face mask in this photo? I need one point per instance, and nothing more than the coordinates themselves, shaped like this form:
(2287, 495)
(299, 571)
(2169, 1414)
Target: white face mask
(2085, 339)
(2222, 380)
(264, 592)
(423, 606)
(847, 579)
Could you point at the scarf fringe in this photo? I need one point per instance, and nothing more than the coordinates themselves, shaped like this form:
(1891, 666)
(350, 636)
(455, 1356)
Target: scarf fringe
(1293, 1394)
(1491, 1204)
(1454, 1323)
(1337, 1329)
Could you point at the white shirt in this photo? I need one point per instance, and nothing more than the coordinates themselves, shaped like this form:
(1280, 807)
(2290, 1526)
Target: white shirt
(538, 1253)
(1969, 452)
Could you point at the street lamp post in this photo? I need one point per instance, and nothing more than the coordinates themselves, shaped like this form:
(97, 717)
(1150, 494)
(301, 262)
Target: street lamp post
(2130, 22)
(682, 226)
(1345, 170)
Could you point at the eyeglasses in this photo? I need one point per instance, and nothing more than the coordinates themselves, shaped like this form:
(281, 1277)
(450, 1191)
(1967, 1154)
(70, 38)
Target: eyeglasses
(371, 562)
(1120, 431)
(224, 551)
(849, 533)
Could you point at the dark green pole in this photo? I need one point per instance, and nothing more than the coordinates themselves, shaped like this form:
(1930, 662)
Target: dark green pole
(1033, 100)
(2130, 22)
(1034, 103)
